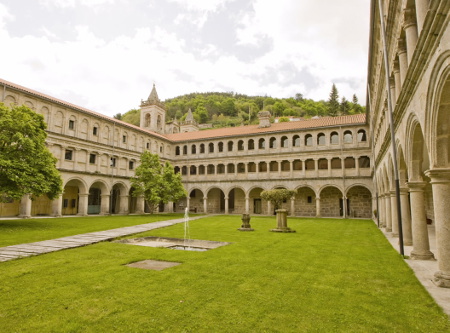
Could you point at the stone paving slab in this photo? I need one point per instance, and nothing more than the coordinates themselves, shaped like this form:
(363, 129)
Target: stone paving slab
(31, 249)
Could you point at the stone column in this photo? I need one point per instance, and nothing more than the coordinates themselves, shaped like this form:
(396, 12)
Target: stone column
(140, 204)
(104, 207)
(421, 244)
(226, 205)
(247, 205)
(410, 32)
(25, 207)
(394, 216)
(83, 204)
(317, 206)
(381, 211)
(57, 207)
(406, 217)
(188, 203)
(440, 182)
(344, 207)
(123, 204)
(269, 208)
(205, 205)
(403, 60)
(393, 92)
(398, 81)
(293, 206)
(387, 206)
(421, 12)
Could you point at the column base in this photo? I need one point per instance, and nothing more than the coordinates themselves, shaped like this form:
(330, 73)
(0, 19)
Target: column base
(441, 280)
(24, 216)
(246, 229)
(395, 234)
(407, 243)
(427, 255)
(388, 229)
(282, 230)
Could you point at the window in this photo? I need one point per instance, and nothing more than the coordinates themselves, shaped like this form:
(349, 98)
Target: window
(177, 150)
(334, 138)
(336, 163)
(362, 136)
(68, 155)
(251, 167)
(202, 148)
(322, 164)
(240, 145)
(262, 167)
(131, 165)
(321, 139)
(297, 165)
(74, 203)
(220, 147)
(230, 145)
(193, 149)
(285, 166)
(310, 165)
(273, 143)
(193, 170)
(230, 168)
(184, 150)
(201, 170)
(262, 144)
(296, 141)
(161, 149)
(348, 137)
(113, 162)
(71, 124)
(92, 158)
(65, 203)
(241, 168)
(210, 169)
(273, 166)
(95, 130)
(211, 147)
(176, 169)
(148, 145)
(349, 163)
(251, 144)
(364, 162)
(284, 142)
(184, 170)
(124, 139)
(308, 140)
(309, 199)
(221, 168)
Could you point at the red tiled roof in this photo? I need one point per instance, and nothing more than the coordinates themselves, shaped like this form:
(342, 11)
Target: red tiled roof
(278, 127)
(79, 108)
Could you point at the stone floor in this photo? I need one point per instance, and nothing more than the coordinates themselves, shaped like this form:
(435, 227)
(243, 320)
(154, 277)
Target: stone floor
(425, 269)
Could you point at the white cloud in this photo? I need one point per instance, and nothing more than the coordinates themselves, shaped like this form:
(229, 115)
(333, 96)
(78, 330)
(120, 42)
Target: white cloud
(74, 3)
(5, 16)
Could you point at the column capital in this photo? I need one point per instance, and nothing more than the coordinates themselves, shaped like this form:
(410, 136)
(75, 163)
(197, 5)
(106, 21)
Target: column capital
(439, 175)
(416, 186)
(401, 44)
(403, 190)
(409, 18)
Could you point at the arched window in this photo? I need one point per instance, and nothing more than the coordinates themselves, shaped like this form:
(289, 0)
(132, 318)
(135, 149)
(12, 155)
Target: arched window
(364, 162)
(273, 143)
(193, 170)
(220, 146)
(362, 136)
(296, 141)
(184, 170)
(177, 150)
(202, 148)
(322, 164)
(348, 137)
(193, 149)
(336, 163)
(310, 165)
(321, 139)
(230, 145)
(230, 168)
(240, 145)
(241, 168)
(159, 123)
(334, 138)
(284, 142)
(308, 140)
(349, 163)
(251, 167)
(221, 168)
(210, 169)
(147, 120)
(184, 150)
(251, 144)
(297, 165)
(262, 144)
(285, 166)
(273, 166)
(262, 167)
(201, 170)
(176, 169)
(211, 147)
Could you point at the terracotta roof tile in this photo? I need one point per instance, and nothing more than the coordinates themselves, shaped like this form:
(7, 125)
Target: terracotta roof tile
(79, 108)
(278, 127)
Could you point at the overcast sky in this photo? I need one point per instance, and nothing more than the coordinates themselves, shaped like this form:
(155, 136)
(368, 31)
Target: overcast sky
(105, 55)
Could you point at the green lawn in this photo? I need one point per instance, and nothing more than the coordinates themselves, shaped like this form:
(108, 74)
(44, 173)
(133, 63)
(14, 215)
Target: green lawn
(330, 276)
(33, 230)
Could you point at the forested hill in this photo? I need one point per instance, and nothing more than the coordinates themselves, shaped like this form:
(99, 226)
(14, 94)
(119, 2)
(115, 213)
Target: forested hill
(233, 109)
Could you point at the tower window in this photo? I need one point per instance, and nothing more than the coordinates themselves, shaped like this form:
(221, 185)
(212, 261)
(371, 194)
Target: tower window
(71, 124)
(95, 130)
(92, 158)
(68, 155)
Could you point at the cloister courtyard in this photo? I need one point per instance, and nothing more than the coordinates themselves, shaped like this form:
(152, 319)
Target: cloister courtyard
(332, 275)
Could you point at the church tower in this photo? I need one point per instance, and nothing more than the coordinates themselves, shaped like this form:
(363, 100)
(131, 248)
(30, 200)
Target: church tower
(153, 114)
(189, 124)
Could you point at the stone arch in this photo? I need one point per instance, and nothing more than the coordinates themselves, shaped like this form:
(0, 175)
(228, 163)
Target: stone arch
(359, 201)
(216, 200)
(305, 201)
(119, 198)
(71, 204)
(331, 202)
(417, 155)
(256, 204)
(96, 198)
(196, 196)
(46, 113)
(83, 129)
(9, 100)
(236, 199)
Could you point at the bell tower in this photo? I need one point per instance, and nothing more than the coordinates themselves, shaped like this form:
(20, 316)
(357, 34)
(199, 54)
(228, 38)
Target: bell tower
(153, 114)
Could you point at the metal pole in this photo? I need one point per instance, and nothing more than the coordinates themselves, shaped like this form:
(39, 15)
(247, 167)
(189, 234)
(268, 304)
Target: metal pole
(391, 125)
(374, 166)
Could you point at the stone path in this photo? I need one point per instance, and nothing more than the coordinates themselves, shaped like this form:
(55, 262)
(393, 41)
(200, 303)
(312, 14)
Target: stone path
(32, 249)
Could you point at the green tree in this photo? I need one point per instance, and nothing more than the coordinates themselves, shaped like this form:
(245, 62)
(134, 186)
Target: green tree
(156, 183)
(345, 106)
(277, 196)
(118, 116)
(132, 117)
(283, 120)
(333, 102)
(26, 164)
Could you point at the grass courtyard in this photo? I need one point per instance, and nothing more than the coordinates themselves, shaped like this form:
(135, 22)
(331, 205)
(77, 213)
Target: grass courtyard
(332, 275)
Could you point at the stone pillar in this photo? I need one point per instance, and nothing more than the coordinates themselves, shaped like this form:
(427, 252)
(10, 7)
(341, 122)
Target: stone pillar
(123, 204)
(317, 206)
(393, 92)
(398, 81)
(104, 207)
(83, 204)
(140, 204)
(269, 208)
(403, 60)
(406, 217)
(247, 205)
(421, 244)
(410, 32)
(205, 205)
(226, 205)
(394, 215)
(57, 207)
(381, 211)
(421, 12)
(387, 206)
(293, 206)
(188, 203)
(25, 207)
(344, 207)
(440, 182)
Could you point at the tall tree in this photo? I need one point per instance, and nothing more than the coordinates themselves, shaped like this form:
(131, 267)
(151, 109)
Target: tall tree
(26, 164)
(345, 106)
(156, 183)
(333, 102)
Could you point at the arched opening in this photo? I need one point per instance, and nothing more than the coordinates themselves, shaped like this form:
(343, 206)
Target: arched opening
(305, 202)
(216, 201)
(256, 204)
(359, 201)
(230, 145)
(331, 204)
(196, 201)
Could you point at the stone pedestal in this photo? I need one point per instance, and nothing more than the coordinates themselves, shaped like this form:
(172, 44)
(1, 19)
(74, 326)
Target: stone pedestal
(282, 222)
(246, 223)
